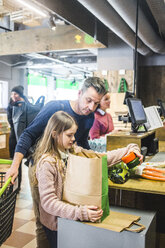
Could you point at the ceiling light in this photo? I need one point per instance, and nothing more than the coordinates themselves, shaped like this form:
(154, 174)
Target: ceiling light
(31, 7)
(14, 18)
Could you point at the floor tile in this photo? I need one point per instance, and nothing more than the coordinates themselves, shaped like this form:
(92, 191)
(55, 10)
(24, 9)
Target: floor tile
(19, 239)
(29, 228)
(25, 214)
(21, 203)
(18, 223)
(31, 244)
(6, 246)
(30, 206)
(25, 195)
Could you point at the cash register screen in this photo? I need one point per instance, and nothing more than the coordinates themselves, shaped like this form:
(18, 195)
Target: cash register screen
(136, 111)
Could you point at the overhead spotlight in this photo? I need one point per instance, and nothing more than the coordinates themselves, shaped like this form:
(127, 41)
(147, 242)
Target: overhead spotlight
(52, 22)
(32, 7)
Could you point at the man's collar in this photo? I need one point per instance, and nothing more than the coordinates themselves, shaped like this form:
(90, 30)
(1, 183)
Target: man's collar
(102, 112)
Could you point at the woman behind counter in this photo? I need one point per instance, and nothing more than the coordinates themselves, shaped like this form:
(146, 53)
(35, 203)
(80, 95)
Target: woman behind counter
(103, 122)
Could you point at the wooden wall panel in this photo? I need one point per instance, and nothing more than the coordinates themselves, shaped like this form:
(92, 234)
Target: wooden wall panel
(151, 84)
(114, 77)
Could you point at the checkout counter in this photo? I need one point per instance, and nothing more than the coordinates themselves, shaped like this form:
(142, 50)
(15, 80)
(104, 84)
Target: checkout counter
(121, 139)
(141, 194)
(4, 136)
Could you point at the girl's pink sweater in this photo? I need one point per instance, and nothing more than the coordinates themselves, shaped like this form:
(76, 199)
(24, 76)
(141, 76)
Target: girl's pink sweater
(50, 185)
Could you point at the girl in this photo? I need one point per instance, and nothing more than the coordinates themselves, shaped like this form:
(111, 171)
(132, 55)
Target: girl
(50, 157)
(103, 122)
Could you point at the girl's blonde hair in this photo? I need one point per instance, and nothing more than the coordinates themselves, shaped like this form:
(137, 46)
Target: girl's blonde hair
(48, 145)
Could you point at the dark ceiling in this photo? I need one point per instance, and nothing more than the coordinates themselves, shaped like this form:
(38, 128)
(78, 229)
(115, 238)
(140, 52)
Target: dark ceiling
(98, 18)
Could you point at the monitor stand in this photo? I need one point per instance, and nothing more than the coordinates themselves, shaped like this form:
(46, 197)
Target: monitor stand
(136, 128)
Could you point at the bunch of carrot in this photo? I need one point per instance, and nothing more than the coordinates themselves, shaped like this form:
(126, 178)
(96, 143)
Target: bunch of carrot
(154, 173)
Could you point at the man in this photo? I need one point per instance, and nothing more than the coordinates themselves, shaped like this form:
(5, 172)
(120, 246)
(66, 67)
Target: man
(82, 110)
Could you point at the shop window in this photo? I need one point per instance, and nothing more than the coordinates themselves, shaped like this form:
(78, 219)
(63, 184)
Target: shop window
(66, 89)
(37, 86)
(4, 99)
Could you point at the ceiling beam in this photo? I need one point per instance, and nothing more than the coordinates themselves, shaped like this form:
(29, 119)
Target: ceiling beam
(65, 37)
(76, 14)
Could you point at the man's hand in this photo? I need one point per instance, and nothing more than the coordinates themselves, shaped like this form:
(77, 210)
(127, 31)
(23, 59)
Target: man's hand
(13, 171)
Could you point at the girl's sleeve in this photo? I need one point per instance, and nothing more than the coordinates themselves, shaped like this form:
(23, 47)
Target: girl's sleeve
(115, 156)
(47, 176)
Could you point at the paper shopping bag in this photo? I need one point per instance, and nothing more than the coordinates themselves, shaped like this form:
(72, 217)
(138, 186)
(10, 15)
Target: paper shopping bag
(118, 222)
(86, 181)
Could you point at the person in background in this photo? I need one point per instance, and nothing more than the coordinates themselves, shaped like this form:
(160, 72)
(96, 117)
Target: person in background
(103, 122)
(16, 96)
(50, 159)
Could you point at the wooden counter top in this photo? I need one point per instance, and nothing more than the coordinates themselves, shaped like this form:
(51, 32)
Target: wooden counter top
(141, 185)
(121, 139)
(130, 134)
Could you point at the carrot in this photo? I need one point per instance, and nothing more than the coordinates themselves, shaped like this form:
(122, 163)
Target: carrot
(153, 178)
(154, 169)
(153, 173)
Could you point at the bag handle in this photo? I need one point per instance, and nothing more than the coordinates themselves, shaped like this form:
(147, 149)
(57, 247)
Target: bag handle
(138, 229)
(5, 186)
(86, 154)
(40, 100)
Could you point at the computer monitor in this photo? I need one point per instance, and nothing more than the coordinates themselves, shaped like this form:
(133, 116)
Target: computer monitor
(153, 118)
(137, 113)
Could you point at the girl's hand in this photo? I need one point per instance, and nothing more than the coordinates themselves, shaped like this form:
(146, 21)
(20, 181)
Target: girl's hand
(94, 213)
(140, 156)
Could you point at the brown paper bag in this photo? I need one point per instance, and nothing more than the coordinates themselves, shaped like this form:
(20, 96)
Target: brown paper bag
(86, 181)
(118, 222)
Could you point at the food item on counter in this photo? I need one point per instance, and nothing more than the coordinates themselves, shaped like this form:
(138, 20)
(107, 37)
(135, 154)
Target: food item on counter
(119, 175)
(131, 160)
(153, 173)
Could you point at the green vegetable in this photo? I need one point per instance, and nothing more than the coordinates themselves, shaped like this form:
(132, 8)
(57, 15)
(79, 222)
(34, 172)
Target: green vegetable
(133, 163)
(120, 165)
(119, 175)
